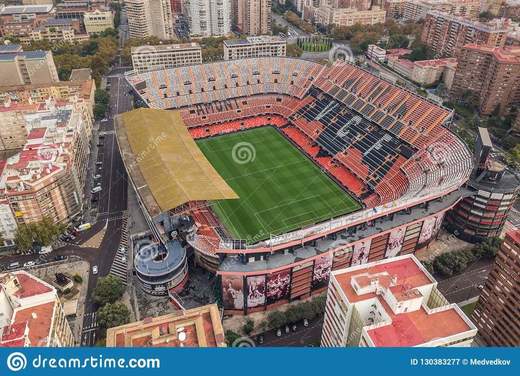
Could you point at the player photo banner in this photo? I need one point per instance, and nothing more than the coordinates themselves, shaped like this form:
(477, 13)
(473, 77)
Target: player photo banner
(255, 291)
(232, 292)
(322, 267)
(278, 285)
(361, 251)
(427, 230)
(395, 242)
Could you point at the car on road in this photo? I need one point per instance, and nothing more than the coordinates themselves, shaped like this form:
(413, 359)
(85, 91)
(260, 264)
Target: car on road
(13, 265)
(28, 264)
(97, 176)
(99, 163)
(60, 258)
(96, 190)
(94, 269)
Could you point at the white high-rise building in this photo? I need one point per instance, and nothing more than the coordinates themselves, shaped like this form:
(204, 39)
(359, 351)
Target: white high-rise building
(208, 17)
(150, 18)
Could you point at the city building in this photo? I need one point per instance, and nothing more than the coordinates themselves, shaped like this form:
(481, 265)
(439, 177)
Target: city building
(26, 67)
(391, 303)
(197, 327)
(97, 21)
(344, 17)
(488, 77)
(150, 18)
(263, 46)
(376, 53)
(8, 224)
(31, 314)
(148, 58)
(424, 72)
(208, 18)
(416, 10)
(47, 177)
(496, 313)
(516, 125)
(483, 213)
(20, 20)
(394, 8)
(13, 133)
(57, 30)
(253, 17)
(446, 34)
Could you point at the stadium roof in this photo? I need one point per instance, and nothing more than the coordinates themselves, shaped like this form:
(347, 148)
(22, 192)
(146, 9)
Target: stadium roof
(164, 163)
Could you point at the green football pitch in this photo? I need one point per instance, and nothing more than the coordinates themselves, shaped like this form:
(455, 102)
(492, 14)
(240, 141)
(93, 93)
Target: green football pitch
(279, 188)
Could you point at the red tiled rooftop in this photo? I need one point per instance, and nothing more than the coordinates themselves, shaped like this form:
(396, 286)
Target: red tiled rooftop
(39, 319)
(36, 133)
(503, 54)
(30, 286)
(417, 327)
(406, 271)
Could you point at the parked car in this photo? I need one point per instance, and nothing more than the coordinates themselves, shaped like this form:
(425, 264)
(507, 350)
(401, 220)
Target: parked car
(94, 269)
(28, 264)
(60, 258)
(97, 176)
(96, 190)
(13, 265)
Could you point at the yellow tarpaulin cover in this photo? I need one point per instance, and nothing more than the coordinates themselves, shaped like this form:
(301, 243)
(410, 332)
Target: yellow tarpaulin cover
(174, 169)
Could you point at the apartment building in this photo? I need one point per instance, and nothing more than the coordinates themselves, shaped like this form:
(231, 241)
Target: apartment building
(376, 53)
(8, 224)
(489, 76)
(20, 20)
(208, 17)
(252, 47)
(47, 177)
(148, 58)
(197, 327)
(31, 314)
(394, 8)
(391, 303)
(424, 72)
(447, 34)
(253, 17)
(26, 67)
(97, 21)
(13, 133)
(496, 313)
(150, 18)
(57, 30)
(416, 10)
(344, 17)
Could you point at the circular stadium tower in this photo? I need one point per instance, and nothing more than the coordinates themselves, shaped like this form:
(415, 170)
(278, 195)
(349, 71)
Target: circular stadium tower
(159, 267)
(483, 214)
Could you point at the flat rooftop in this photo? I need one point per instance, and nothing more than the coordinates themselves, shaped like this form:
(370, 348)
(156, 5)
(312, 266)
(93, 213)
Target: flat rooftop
(406, 279)
(254, 40)
(165, 48)
(198, 327)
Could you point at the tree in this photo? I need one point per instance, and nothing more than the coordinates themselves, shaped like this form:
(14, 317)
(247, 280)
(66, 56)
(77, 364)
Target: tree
(420, 51)
(248, 326)
(108, 290)
(42, 233)
(397, 41)
(231, 337)
(488, 248)
(113, 314)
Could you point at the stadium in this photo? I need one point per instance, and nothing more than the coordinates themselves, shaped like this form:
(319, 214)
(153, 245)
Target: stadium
(274, 171)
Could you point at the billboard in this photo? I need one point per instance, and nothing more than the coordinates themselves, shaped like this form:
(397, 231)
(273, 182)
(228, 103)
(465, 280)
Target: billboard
(427, 230)
(278, 285)
(395, 242)
(232, 292)
(255, 291)
(322, 267)
(361, 251)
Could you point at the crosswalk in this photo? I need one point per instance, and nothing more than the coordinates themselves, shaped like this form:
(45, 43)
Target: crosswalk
(119, 266)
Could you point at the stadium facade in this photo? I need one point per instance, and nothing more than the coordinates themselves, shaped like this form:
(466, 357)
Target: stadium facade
(385, 146)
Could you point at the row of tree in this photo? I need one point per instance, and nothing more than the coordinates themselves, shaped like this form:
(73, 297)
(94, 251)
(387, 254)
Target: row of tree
(42, 233)
(112, 312)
